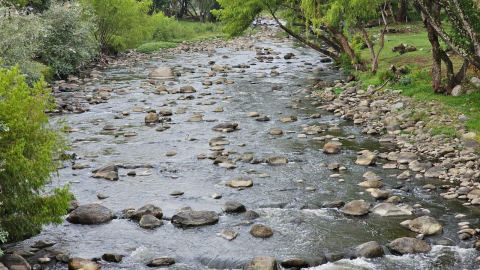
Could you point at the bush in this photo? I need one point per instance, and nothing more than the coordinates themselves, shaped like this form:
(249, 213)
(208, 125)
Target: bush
(20, 42)
(120, 24)
(27, 150)
(405, 80)
(69, 42)
(358, 43)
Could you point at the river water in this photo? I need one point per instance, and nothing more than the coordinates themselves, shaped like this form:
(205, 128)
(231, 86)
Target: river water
(301, 227)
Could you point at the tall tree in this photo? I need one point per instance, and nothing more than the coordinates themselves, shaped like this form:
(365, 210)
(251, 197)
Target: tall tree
(462, 36)
(27, 150)
(328, 21)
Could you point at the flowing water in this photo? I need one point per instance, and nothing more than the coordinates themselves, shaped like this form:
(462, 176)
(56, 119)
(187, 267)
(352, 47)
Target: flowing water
(301, 227)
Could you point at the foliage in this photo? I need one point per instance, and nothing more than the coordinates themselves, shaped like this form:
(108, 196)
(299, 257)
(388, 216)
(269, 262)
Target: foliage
(405, 80)
(27, 150)
(20, 41)
(121, 24)
(155, 46)
(358, 43)
(69, 42)
(168, 29)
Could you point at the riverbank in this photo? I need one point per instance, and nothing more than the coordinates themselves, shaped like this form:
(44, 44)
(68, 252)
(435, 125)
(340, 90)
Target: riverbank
(416, 78)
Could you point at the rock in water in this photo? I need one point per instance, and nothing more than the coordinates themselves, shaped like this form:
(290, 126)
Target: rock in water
(331, 148)
(149, 209)
(150, 222)
(263, 263)
(261, 231)
(162, 261)
(112, 257)
(190, 217)
(408, 245)
(233, 207)
(390, 210)
(276, 160)
(435, 172)
(367, 158)
(295, 263)
(426, 225)
(239, 182)
(109, 172)
(228, 234)
(356, 208)
(370, 249)
(151, 118)
(90, 214)
(161, 73)
(81, 263)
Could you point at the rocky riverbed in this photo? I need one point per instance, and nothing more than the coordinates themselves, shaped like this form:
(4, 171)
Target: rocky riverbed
(222, 155)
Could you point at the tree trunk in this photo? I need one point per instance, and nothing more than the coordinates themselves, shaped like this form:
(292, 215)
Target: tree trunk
(401, 11)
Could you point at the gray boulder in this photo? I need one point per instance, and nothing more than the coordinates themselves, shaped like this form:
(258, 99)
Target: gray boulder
(366, 158)
(263, 263)
(190, 217)
(356, 208)
(425, 225)
(370, 249)
(90, 214)
(149, 209)
(150, 222)
(408, 245)
(233, 207)
(390, 210)
(109, 172)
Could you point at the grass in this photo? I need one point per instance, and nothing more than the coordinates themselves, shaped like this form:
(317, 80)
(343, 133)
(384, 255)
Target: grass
(155, 46)
(168, 32)
(417, 83)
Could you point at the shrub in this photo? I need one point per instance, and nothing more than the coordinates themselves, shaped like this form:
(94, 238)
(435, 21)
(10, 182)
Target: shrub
(69, 42)
(20, 42)
(120, 24)
(358, 43)
(27, 150)
(405, 80)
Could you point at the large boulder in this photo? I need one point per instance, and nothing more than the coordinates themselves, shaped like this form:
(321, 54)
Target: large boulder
(390, 210)
(426, 225)
(190, 217)
(81, 263)
(148, 209)
(161, 73)
(366, 158)
(261, 231)
(109, 172)
(408, 245)
(331, 148)
(150, 222)
(356, 208)
(370, 249)
(13, 261)
(371, 184)
(263, 263)
(90, 214)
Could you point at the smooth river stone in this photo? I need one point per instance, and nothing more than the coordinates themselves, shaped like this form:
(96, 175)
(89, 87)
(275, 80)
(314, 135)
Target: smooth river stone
(189, 217)
(356, 208)
(239, 182)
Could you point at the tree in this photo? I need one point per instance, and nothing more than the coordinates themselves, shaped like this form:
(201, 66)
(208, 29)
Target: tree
(27, 149)
(69, 42)
(328, 21)
(121, 24)
(460, 33)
